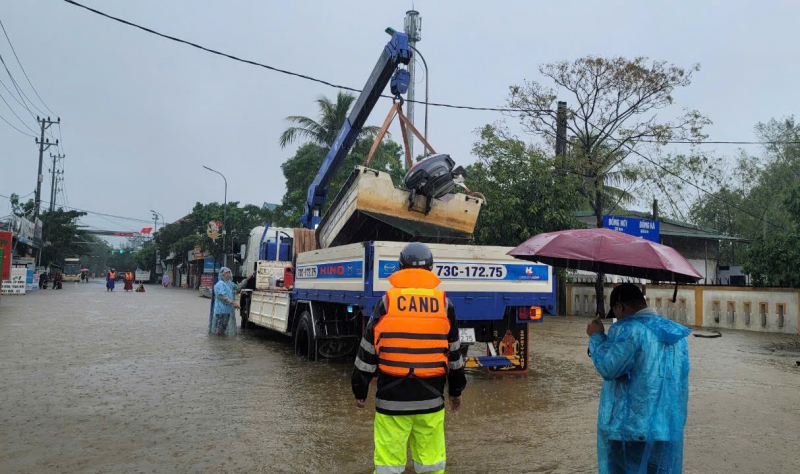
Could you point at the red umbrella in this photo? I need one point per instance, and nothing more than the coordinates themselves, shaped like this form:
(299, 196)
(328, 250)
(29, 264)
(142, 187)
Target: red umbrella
(608, 251)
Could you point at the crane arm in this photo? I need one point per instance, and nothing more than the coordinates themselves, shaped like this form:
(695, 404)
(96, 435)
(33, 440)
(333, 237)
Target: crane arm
(395, 52)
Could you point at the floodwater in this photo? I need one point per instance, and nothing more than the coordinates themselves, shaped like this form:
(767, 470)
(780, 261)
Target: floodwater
(120, 382)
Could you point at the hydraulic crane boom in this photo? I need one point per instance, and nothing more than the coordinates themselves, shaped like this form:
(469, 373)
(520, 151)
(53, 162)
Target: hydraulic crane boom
(395, 53)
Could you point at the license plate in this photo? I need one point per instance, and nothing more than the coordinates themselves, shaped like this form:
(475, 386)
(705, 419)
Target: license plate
(467, 335)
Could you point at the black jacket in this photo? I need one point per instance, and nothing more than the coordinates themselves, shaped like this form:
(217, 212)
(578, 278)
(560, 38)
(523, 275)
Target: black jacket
(407, 395)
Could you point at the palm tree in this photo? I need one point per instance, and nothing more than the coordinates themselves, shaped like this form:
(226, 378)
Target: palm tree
(323, 132)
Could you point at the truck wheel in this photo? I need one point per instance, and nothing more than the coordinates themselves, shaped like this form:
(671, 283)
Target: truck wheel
(304, 338)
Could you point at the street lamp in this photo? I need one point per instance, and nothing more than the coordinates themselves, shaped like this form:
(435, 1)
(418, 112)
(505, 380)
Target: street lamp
(424, 63)
(224, 218)
(155, 229)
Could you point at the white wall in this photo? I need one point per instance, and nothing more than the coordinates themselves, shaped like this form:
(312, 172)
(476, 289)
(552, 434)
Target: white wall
(582, 296)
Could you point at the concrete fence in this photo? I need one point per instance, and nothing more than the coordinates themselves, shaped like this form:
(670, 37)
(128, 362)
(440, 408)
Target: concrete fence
(747, 308)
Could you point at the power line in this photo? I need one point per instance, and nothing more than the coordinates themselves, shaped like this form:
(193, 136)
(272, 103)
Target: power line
(712, 142)
(15, 114)
(23, 70)
(352, 89)
(19, 91)
(709, 193)
(290, 73)
(133, 219)
(15, 128)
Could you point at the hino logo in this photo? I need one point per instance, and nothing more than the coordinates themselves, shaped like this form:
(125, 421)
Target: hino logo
(332, 270)
(529, 270)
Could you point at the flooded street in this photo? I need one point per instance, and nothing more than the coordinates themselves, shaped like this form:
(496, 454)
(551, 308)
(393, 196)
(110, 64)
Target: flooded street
(128, 382)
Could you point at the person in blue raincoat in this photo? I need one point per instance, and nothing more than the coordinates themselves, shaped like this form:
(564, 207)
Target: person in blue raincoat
(223, 319)
(644, 362)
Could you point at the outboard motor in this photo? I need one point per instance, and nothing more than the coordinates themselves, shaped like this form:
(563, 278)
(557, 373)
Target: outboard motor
(433, 178)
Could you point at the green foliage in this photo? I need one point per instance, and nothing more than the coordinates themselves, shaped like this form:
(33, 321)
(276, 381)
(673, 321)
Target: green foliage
(183, 235)
(301, 169)
(773, 257)
(612, 111)
(524, 195)
(755, 199)
(63, 238)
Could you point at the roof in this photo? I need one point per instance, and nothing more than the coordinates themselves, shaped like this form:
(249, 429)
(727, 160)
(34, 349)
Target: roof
(670, 227)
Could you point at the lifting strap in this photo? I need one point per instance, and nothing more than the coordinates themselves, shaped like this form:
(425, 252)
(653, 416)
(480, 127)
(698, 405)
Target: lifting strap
(397, 109)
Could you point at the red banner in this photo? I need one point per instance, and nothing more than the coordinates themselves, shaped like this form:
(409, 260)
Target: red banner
(5, 244)
(125, 234)
(146, 230)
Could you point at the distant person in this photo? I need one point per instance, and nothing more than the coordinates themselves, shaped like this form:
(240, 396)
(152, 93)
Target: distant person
(128, 281)
(644, 362)
(43, 281)
(111, 278)
(223, 319)
(58, 281)
(165, 280)
(412, 344)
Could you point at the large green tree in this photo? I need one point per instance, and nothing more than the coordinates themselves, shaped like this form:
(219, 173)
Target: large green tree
(613, 109)
(183, 235)
(62, 235)
(524, 195)
(755, 200)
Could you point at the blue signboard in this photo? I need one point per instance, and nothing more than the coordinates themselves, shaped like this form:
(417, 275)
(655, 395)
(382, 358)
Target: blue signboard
(208, 265)
(644, 228)
(476, 271)
(353, 269)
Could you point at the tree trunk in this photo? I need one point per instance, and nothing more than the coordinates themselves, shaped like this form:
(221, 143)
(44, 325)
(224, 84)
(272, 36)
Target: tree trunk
(599, 283)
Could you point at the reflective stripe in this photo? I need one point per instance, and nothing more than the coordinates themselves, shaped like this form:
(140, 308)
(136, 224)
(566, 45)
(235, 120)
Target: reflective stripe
(364, 366)
(411, 335)
(408, 406)
(411, 365)
(429, 467)
(389, 469)
(457, 364)
(454, 346)
(411, 350)
(367, 346)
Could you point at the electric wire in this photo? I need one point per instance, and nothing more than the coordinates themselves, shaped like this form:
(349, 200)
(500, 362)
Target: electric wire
(15, 128)
(23, 71)
(15, 114)
(352, 89)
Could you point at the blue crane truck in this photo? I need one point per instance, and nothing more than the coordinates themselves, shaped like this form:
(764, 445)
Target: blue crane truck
(335, 288)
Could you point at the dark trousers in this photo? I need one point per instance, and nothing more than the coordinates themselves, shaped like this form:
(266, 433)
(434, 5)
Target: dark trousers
(626, 457)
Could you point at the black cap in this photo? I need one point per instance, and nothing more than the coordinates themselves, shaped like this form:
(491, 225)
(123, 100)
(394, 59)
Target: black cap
(622, 294)
(416, 255)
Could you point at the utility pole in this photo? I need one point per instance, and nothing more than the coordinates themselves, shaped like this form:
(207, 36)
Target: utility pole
(413, 28)
(44, 123)
(561, 170)
(54, 173)
(655, 209)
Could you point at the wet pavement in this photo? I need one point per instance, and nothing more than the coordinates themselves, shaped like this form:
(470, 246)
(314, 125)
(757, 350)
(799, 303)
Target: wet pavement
(130, 382)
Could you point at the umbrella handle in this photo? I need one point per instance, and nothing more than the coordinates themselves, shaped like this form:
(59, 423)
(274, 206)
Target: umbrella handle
(675, 293)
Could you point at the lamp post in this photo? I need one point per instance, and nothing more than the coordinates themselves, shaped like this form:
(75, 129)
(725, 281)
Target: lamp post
(156, 214)
(424, 63)
(224, 218)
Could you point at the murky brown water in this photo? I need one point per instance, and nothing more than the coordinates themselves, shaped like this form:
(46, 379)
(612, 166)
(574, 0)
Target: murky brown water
(99, 382)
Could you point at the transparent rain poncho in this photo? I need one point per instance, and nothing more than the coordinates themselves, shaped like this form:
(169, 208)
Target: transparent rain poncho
(223, 318)
(644, 362)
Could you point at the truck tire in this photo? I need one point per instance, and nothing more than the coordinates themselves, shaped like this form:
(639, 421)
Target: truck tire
(304, 344)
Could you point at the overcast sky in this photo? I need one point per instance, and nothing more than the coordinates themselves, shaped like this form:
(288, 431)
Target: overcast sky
(142, 114)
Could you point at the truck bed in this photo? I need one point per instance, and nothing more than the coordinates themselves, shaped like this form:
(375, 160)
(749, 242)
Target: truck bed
(480, 280)
(369, 207)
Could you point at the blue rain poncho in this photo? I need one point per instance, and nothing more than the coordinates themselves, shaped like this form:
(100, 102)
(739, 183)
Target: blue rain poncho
(223, 319)
(644, 362)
